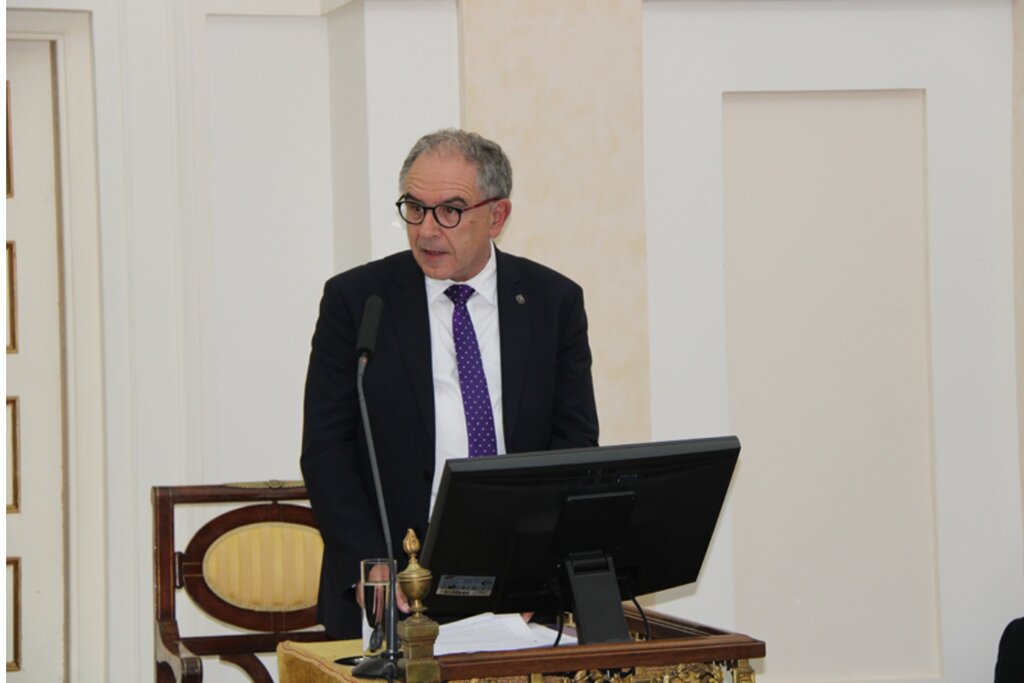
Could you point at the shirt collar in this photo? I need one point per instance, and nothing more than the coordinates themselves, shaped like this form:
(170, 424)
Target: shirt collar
(485, 282)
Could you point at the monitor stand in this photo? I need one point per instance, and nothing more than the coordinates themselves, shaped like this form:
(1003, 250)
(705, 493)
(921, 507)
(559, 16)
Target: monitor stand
(596, 601)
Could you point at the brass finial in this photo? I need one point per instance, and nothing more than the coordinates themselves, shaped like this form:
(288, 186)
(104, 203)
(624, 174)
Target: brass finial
(418, 632)
(411, 544)
(414, 579)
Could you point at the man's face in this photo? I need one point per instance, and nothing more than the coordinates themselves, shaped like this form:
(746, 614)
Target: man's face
(461, 252)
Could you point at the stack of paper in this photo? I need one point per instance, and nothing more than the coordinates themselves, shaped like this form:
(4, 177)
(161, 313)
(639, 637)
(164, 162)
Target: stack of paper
(489, 632)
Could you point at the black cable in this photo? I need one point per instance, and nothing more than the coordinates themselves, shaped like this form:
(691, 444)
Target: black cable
(626, 587)
(643, 616)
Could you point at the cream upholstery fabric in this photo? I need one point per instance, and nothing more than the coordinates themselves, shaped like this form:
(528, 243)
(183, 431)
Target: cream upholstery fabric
(314, 662)
(272, 567)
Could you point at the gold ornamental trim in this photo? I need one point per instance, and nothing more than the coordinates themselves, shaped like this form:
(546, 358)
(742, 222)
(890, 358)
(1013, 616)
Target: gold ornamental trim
(698, 672)
(269, 484)
(14, 454)
(12, 298)
(14, 611)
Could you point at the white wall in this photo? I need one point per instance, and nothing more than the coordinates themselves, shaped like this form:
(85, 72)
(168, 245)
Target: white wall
(219, 225)
(395, 75)
(965, 488)
(267, 247)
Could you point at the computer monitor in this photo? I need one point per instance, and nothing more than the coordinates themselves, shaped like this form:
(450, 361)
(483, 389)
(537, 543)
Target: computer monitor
(581, 529)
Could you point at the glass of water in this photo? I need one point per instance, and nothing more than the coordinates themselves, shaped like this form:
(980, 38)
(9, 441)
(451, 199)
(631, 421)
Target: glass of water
(374, 582)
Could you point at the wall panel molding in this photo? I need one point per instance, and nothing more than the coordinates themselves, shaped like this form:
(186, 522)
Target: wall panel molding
(697, 50)
(14, 614)
(13, 455)
(828, 337)
(11, 269)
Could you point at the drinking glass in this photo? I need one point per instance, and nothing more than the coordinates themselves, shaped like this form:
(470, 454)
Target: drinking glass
(374, 584)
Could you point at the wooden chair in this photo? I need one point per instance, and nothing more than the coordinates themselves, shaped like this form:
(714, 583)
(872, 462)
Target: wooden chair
(255, 567)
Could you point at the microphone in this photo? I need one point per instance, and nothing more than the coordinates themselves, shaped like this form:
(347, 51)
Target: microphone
(367, 340)
(384, 665)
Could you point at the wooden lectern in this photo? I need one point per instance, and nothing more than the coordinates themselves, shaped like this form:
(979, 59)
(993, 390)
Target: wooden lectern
(678, 652)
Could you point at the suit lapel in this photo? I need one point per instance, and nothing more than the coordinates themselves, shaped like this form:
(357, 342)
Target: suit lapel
(514, 330)
(408, 297)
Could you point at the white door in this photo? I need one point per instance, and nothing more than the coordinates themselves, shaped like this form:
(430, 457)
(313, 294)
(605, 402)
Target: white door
(36, 583)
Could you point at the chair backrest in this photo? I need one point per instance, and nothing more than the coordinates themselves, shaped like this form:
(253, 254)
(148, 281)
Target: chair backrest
(255, 567)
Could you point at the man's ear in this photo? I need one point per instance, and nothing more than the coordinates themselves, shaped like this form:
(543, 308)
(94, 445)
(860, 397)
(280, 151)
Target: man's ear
(499, 216)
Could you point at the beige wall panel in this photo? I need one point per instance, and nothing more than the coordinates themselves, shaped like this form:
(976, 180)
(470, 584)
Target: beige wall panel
(559, 85)
(829, 381)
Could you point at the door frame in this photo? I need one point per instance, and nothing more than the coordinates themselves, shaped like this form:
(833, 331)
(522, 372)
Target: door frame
(85, 528)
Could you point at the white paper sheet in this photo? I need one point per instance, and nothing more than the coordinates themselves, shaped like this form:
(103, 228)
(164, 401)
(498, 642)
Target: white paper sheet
(489, 632)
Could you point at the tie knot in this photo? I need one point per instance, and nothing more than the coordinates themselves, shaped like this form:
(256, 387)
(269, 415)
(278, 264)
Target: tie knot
(460, 294)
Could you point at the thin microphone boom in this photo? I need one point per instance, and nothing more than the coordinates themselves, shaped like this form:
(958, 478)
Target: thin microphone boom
(384, 665)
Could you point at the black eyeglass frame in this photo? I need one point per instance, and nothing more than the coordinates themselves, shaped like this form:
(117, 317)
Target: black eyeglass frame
(433, 209)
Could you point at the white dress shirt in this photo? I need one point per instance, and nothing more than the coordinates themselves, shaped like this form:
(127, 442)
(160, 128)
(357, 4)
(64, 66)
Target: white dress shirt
(449, 415)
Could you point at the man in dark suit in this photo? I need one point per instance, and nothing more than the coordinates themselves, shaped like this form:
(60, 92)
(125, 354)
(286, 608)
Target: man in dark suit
(532, 367)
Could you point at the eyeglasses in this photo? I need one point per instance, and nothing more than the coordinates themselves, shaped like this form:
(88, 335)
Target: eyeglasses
(445, 215)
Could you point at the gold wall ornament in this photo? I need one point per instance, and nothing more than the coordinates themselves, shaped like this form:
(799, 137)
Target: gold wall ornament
(12, 297)
(10, 145)
(14, 613)
(13, 455)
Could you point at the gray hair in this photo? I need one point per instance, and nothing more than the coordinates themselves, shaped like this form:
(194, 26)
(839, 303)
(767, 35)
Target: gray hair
(493, 170)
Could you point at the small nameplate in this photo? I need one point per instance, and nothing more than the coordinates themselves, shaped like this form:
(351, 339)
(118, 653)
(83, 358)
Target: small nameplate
(468, 586)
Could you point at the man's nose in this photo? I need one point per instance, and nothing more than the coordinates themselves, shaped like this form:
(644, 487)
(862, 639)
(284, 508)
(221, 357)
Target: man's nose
(430, 227)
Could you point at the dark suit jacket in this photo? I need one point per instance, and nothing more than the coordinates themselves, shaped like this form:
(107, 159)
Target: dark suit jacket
(547, 404)
(1010, 660)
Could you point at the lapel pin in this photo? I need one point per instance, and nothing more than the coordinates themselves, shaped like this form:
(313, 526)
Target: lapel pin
(520, 299)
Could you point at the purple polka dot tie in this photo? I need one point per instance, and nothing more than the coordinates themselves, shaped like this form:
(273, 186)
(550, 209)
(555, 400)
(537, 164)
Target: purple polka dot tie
(476, 400)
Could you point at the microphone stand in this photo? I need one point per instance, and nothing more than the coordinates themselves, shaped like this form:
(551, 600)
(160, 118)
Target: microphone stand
(384, 665)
